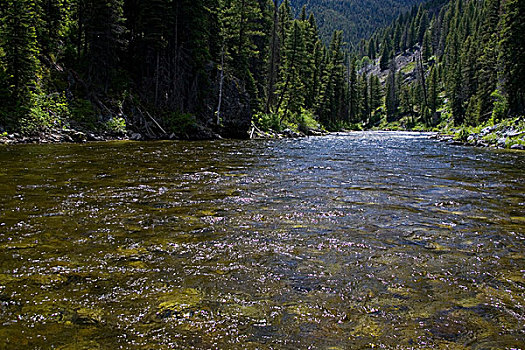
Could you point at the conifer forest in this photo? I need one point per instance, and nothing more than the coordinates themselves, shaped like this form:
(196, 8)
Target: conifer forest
(195, 69)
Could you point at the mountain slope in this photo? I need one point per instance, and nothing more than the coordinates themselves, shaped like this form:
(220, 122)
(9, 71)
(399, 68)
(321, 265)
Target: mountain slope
(358, 19)
(453, 63)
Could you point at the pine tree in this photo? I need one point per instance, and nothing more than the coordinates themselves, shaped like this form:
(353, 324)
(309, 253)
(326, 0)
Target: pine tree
(353, 94)
(365, 98)
(513, 54)
(273, 58)
(376, 94)
(386, 54)
(54, 18)
(20, 48)
(487, 74)
(291, 89)
(433, 91)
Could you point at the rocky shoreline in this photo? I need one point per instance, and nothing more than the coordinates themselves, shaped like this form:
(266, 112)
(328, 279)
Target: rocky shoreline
(78, 136)
(60, 136)
(504, 135)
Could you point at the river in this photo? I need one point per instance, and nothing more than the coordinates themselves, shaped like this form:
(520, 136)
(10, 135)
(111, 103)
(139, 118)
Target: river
(351, 241)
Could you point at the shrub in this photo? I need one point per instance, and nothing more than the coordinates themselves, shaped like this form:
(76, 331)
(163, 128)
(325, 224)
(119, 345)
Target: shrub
(306, 121)
(82, 112)
(45, 112)
(181, 123)
(501, 106)
(267, 122)
(116, 125)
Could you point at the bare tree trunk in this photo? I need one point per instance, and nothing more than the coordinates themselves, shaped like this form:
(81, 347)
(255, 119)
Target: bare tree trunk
(221, 83)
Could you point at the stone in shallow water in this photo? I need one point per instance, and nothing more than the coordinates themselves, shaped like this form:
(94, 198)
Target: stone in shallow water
(173, 304)
(84, 316)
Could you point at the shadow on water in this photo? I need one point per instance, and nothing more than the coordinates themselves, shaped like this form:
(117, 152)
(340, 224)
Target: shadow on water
(347, 241)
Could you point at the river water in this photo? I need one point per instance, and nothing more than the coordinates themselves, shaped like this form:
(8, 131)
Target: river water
(356, 241)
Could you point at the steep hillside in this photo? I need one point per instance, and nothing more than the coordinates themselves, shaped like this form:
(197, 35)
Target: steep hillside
(460, 65)
(358, 19)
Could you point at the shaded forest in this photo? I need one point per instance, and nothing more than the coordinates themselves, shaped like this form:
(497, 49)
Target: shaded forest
(160, 67)
(203, 68)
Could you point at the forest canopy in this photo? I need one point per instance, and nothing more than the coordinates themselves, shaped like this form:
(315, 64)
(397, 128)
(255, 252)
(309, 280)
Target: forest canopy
(208, 67)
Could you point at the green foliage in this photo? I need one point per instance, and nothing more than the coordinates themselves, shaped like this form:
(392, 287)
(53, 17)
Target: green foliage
(468, 49)
(174, 56)
(20, 48)
(306, 121)
(268, 121)
(410, 67)
(82, 112)
(45, 113)
(182, 124)
(357, 18)
(501, 106)
(116, 125)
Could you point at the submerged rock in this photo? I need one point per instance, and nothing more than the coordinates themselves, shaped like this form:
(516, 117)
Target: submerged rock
(84, 316)
(178, 303)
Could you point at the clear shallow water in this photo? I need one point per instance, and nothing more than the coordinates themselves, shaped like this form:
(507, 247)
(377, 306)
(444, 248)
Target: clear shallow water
(387, 240)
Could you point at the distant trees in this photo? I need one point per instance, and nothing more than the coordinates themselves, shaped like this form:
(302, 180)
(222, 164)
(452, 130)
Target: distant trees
(467, 52)
(357, 19)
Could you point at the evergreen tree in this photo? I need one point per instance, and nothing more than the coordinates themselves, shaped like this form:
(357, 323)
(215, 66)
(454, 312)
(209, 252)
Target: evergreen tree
(433, 91)
(513, 54)
(365, 98)
(353, 94)
(386, 54)
(291, 89)
(20, 48)
(376, 94)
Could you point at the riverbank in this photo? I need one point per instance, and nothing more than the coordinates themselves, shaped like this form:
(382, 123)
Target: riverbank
(61, 136)
(69, 135)
(509, 133)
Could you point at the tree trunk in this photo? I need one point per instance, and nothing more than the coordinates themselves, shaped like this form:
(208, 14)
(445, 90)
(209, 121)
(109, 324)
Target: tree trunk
(221, 83)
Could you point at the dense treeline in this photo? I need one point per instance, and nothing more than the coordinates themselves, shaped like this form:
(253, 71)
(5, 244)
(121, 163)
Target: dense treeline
(201, 67)
(163, 66)
(462, 61)
(358, 19)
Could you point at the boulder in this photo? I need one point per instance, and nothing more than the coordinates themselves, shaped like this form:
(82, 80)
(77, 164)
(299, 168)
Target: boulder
(487, 130)
(136, 136)
(501, 142)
